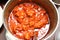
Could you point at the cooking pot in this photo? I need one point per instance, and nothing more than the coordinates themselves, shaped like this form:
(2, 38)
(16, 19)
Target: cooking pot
(48, 5)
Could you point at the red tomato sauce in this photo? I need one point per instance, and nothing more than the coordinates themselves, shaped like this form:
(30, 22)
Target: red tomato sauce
(28, 20)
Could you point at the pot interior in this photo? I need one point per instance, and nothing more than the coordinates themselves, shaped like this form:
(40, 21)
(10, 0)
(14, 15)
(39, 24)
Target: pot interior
(46, 4)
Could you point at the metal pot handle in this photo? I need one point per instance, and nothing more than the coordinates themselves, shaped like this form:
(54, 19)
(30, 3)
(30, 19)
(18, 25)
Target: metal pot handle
(58, 5)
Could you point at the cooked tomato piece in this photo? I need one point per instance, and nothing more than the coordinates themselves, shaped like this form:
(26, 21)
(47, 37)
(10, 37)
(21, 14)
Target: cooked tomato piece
(25, 18)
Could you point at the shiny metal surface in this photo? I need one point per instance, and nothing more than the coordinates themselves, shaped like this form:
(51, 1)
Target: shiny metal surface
(49, 7)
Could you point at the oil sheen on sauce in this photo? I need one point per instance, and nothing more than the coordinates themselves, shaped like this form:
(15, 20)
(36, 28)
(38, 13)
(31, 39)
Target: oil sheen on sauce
(28, 21)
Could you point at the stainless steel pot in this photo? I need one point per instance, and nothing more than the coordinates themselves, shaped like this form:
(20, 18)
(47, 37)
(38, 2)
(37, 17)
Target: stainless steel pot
(47, 4)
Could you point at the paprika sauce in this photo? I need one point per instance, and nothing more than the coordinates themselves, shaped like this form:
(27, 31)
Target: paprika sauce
(28, 20)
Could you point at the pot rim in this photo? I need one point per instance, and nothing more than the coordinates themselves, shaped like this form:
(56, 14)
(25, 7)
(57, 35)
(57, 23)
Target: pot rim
(54, 29)
(57, 20)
